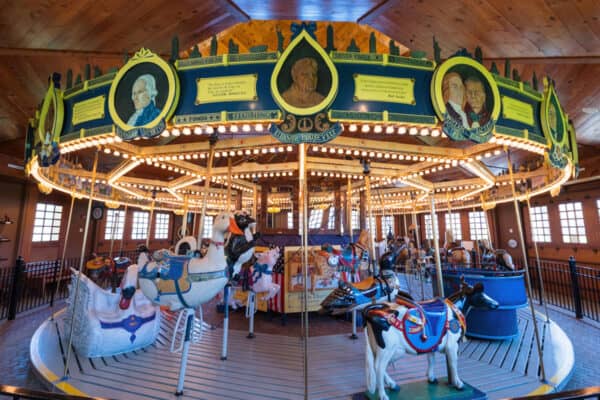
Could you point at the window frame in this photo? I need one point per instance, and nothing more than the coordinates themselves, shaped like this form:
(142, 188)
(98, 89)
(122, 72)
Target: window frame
(448, 218)
(571, 213)
(539, 220)
(137, 226)
(478, 226)
(162, 226)
(111, 232)
(429, 229)
(55, 223)
(315, 218)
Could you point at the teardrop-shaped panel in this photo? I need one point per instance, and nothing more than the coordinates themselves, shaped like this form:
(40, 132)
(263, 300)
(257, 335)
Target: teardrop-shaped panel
(554, 126)
(305, 80)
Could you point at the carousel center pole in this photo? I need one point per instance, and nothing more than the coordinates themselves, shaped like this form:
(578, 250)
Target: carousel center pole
(538, 264)
(370, 225)
(526, 265)
(81, 263)
(436, 244)
(303, 212)
(229, 183)
(64, 253)
(185, 217)
(405, 227)
(150, 219)
(211, 155)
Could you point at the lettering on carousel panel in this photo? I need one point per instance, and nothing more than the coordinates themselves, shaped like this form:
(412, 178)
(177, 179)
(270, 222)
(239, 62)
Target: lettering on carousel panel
(384, 89)
(226, 88)
(517, 110)
(465, 96)
(143, 96)
(88, 110)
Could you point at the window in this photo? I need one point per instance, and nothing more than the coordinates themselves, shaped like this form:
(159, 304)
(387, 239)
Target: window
(115, 224)
(453, 224)
(331, 218)
(290, 220)
(387, 225)
(46, 225)
(207, 228)
(478, 225)
(315, 219)
(161, 226)
(540, 225)
(428, 228)
(139, 229)
(572, 223)
(355, 219)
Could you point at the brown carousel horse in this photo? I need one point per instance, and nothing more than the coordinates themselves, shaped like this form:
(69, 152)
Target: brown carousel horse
(455, 253)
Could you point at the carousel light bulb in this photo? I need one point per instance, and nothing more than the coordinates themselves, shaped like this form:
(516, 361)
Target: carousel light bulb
(202, 155)
(110, 139)
(240, 153)
(352, 128)
(188, 156)
(272, 150)
(365, 128)
(377, 129)
(389, 129)
(210, 130)
(221, 129)
(454, 163)
(116, 153)
(401, 130)
(256, 151)
(175, 132)
(217, 154)
(386, 156)
(290, 173)
(332, 150)
(246, 128)
(106, 150)
(340, 151)
(264, 150)
(424, 132)
(231, 153)
(478, 157)
(487, 154)
(247, 152)
(234, 129)
(271, 174)
(289, 148)
(435, 133)
(413, 131)
(197, 130)
(356, 152)
(186, 131)
(259, 127)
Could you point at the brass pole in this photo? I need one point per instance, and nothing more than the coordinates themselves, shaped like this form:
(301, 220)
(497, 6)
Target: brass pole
(474, 262)
(436, 244)
(349, 208)
(81, 261)
(229, 183)
(112, 233)
(255, 202)
(302, 212)
(405, 227)
(185, 217)
(150, 222)
(211, 155)
(526, 265)
(64, 252)
(370, 224)
(539, 266)
(122, 238)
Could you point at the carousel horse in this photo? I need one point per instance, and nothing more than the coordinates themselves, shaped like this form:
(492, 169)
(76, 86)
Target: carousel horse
(106, 323)
(347, 296)
(262, 274)
(455, 254)
(241, 242)
(184, 281)
(495, 258)
(416, 328)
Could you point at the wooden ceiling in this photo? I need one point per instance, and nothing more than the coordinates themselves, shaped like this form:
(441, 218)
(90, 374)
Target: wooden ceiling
(555, 37)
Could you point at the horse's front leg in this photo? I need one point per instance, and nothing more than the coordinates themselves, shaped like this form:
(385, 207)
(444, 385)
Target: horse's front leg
(430, 372)
(452, 362)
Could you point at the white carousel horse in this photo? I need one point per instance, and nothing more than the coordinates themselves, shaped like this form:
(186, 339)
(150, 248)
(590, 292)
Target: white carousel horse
(106, 323)
(416, 328)
(262, 274)
(185, 282)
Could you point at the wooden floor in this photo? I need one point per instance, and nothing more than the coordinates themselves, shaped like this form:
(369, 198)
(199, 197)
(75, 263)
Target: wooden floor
(271, 366)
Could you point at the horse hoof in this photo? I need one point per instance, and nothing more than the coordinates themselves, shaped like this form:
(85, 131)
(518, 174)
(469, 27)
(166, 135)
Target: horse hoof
(223, 358)
(179, 393)
(433, 381)
(395, 388)
(461, 387)
(250, 336)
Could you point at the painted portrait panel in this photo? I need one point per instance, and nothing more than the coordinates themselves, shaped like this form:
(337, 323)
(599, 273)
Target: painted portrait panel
(141, 94)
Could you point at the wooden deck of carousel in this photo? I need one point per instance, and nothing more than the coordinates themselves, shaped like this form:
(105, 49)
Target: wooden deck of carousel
(270, 366)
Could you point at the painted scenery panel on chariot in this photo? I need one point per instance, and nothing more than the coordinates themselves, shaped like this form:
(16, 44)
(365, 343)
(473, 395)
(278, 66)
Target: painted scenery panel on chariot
(378, 88)
(235, 88)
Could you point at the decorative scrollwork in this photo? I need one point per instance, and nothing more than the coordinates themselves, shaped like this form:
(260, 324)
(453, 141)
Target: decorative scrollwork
(289, 124)
(305, 124)
(322, 122)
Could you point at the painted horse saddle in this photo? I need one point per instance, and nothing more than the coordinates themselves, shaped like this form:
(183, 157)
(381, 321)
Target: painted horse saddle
(174, 276)
(424, 324)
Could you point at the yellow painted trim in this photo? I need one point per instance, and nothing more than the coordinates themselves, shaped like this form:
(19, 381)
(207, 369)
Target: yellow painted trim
(334, 78)
(146, 56)
(46, 373)
(53, 97)
(438, 76)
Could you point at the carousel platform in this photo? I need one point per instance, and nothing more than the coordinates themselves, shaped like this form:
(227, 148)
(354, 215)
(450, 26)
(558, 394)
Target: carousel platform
(270, 366)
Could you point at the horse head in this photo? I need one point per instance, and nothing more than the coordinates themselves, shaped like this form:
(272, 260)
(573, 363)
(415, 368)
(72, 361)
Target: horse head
(475, 297)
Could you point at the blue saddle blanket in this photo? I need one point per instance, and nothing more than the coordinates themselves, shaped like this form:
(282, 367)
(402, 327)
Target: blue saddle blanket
(175, 266)
(425, 325)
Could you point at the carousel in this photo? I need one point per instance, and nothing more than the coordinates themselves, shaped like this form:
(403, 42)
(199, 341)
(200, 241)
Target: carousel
(302, 172)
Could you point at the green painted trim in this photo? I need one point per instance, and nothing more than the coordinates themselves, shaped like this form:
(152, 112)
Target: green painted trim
(408, 62)
(83, 87)
(505, 130)
(517, 87)
(74, 90)
(538, 138)
(356, 116)
(99, 130)
(226, 59)
(54, 98)
(413, 118)
(348, 57)
(70, 136)
(358, 58)
(205, 118)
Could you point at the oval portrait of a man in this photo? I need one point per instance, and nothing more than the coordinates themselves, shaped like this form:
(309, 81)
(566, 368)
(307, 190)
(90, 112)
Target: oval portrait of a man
(141, 94)
(304, 80)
